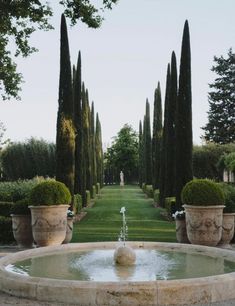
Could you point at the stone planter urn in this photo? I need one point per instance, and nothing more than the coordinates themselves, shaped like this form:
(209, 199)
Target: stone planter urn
(69, 230)
(22, 230)
(204, 224)
(49, 223)
(181, 232)
(227, 230)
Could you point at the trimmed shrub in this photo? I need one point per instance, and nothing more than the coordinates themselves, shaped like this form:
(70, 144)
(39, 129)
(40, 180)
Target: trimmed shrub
(156, 195)
(77, 203)
(6, 208)
(21, 207)
(88, 197)
(144, 187)
(93, 192)
(50, 193)
(229, 194)
(6, 234)
(170, 206)
(149, 191)
(202, 192)
(97, 188)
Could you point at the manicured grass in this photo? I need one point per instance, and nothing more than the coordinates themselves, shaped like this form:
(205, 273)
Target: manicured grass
(103, 221)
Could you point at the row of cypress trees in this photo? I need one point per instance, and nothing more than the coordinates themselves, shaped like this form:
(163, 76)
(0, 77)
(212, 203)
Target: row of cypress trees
(79, 154)
(165, 159)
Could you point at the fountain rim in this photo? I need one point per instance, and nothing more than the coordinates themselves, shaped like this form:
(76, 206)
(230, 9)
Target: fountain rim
(216, 288)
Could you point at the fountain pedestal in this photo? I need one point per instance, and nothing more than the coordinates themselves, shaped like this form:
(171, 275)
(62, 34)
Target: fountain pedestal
(124, 255)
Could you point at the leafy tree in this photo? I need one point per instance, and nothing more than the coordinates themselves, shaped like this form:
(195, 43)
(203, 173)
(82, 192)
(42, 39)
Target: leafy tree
(148, 146)
(183, 124)
(65, 136)
(123, 154)
(157, 136)
(19, 19)
(221, 116)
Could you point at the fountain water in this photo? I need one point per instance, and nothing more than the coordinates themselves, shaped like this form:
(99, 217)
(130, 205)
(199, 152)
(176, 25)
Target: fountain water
(124, 255)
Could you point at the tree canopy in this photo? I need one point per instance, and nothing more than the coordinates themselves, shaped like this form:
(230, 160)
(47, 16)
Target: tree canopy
(123, 154)
(221, 116)
(19, 19)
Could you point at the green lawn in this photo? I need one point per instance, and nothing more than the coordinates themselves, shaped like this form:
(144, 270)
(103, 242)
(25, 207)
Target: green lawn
(103, 221)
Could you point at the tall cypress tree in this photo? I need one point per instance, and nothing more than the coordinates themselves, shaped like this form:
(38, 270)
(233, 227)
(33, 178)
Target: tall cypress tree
(148, 146)
(140, 155)
(87, 148)
(157, 136)
(144, 171)
(164, 136)
(99, 151)
(78, 127)
(93, 155)
(184, 142)
(84, 139)
(65, 136)
(170, 132)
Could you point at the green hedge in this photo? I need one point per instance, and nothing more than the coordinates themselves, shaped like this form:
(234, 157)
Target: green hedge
(6, 234)
(21, 207)
(170, 205)
(77, 204)
(6, 208)
(202, 192)
(156, 195)
(149, 191)
(18, 190)
(229, 194)
(144, 187)
(88, 197)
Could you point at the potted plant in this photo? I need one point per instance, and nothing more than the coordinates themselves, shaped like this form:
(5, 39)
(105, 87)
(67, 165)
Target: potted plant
(181, 232)
(50, 201)
(228, 215)
(21, 223)
(69, 228)
(203, 203)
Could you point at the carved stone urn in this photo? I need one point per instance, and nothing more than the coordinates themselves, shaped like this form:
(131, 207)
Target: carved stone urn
(181, 231)
(22, 231)
(49, 224)
(204, 224)
(227, 230)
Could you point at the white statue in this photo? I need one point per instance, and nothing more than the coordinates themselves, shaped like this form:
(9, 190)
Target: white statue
(121, 178)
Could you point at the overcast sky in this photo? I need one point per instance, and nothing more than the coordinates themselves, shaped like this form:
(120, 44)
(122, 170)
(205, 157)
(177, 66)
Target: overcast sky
(122, 63)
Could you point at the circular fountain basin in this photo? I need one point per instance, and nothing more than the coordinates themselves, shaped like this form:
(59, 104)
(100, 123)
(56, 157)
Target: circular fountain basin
(85, 274)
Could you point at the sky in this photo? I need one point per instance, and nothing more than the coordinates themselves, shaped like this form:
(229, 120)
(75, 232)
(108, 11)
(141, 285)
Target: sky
(122, 63)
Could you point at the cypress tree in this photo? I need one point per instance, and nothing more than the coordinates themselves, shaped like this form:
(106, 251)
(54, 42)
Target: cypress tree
(78, 127)
(99, 151)
(94, 172)
(184, 142)
(148, 146)
(144, 151)
(140, 155)
(65, 136)
(88, 145)
(170, 132)
(84, 139)
(157, 136)
(164, 136)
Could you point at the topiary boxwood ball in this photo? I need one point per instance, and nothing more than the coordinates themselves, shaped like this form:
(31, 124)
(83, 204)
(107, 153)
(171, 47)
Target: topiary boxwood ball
(202, 192)
(50, 193)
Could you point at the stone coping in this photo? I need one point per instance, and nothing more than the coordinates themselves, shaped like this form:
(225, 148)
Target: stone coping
(207, 290)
